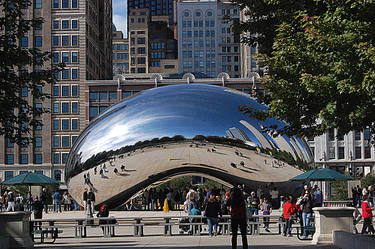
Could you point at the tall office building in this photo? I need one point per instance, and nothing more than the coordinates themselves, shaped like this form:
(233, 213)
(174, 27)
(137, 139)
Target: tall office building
(206, 43)
(157, 8)
(120, 53)
(78, 33)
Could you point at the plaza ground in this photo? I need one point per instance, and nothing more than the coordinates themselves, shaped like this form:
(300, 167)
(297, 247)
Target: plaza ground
(154, 239)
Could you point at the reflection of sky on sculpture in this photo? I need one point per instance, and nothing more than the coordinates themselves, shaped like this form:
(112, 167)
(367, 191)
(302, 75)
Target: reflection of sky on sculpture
(186, 110)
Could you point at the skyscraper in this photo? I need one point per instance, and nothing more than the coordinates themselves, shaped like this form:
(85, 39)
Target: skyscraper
(78, 33)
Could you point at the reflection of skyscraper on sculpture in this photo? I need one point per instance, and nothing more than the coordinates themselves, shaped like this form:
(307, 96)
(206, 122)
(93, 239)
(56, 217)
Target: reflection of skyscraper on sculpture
(237, 133)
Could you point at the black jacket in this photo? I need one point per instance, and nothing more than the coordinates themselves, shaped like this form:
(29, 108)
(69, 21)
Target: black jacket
(213, 209)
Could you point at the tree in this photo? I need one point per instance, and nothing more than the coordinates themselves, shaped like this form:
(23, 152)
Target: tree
(24, 70)
(321, 65)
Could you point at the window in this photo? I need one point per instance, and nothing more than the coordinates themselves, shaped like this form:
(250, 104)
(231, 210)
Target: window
(65, 74)
(57, 174)
(74, 138)
(367, 152)
(74, 73)
(38, 158)
(55, 40)
(112, 96)
(65, 57)
(56, 58)
(74, 107)
(56, 141)
(38, 142)
(65, 24)
(74, 24)
(141, 70)
(141, 60)
(37, 4)
(56, 124)
(24, 158)
(358, 152)
(74, 90)
(366, 134)
(357, 135)
(9, 159)
(75, 4)
(39, 126)
(56, 107)
(24, 92)
(64, 157)
(74, 124)
(74, 40)
(8, 175)
(93, 96)
(24, 42)
(141, 50)
(198, 14)
(65, 141)
(93, 111)
(38, 41)
(103, 96)
(65, 124)
(65, 40)
(141, 40)
(56, 158)
(65, 107)
(331, 134)
(56, 4)
(74, 57)
(331, 152)
(65, 4)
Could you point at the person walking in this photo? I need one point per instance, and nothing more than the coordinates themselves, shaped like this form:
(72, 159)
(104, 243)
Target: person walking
(38, 210)
(236, 203)
(367, 216)
(11, 199)
(212, 212)
(56, 202)
(267, 210)
(289, 208)
(307, 205)
(44, 200)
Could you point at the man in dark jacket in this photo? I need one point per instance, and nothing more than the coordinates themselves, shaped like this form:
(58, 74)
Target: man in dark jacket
(90, 203)
(44, 199)
(38, 210)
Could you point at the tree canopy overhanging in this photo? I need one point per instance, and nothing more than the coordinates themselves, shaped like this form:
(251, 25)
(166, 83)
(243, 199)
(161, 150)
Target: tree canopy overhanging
(320, 60)
(24, 71)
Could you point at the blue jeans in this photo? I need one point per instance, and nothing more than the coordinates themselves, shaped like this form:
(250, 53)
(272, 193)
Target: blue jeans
(212, 222)
(306, 222)
(255, 211)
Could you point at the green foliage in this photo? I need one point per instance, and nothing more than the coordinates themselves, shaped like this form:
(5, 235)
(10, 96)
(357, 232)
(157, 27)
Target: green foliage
(368, 180)
(320, 57)
(340, 189)
(21, 68)
(177, 184)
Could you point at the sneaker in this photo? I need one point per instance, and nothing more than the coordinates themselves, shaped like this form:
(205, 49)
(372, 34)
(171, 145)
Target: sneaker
(290, 235)
(215, 233)
(284, 234)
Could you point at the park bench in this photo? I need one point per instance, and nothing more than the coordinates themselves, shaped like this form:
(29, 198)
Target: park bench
(42, 232)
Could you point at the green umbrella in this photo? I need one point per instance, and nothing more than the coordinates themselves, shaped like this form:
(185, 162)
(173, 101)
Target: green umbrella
(30, 179)
(321, 175)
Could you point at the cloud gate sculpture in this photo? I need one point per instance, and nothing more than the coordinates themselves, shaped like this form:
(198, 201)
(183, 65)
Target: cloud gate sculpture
(177, 130)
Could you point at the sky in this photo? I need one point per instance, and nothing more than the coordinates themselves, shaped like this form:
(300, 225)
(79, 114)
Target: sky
(119, 15)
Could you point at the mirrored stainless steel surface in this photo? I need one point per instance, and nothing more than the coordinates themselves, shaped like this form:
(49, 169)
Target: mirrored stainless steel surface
(174, 130)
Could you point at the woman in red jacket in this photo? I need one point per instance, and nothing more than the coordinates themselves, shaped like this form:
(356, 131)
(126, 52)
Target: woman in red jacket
(289, 208)
(367, 216)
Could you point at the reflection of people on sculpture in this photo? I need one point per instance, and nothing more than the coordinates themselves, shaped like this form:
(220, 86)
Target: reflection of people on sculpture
(122, 167)
(118, 173)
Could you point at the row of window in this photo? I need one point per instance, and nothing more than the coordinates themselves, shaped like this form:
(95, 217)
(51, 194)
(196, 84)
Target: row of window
(120, 47)
(60, 158)
(63, 141)
(198, 13)
(103, 96)
(158, 55)
(124, 65)
(157, 45)
(140, 60)
(65, 107)
(65, 90)
(199, 64)
(188, 44)
(189, 54)
(24, 158)
(120, 56)
(357, 135)
(67, 74)
(65, 40)
(65, 24)
(66, 57)
(65, 4)
(198, 33)
(196, 24)
(38, 41)
(94, 111)
(139, 70)
(229, 58)
(228, 68)
(155, 63)
(65, 124)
